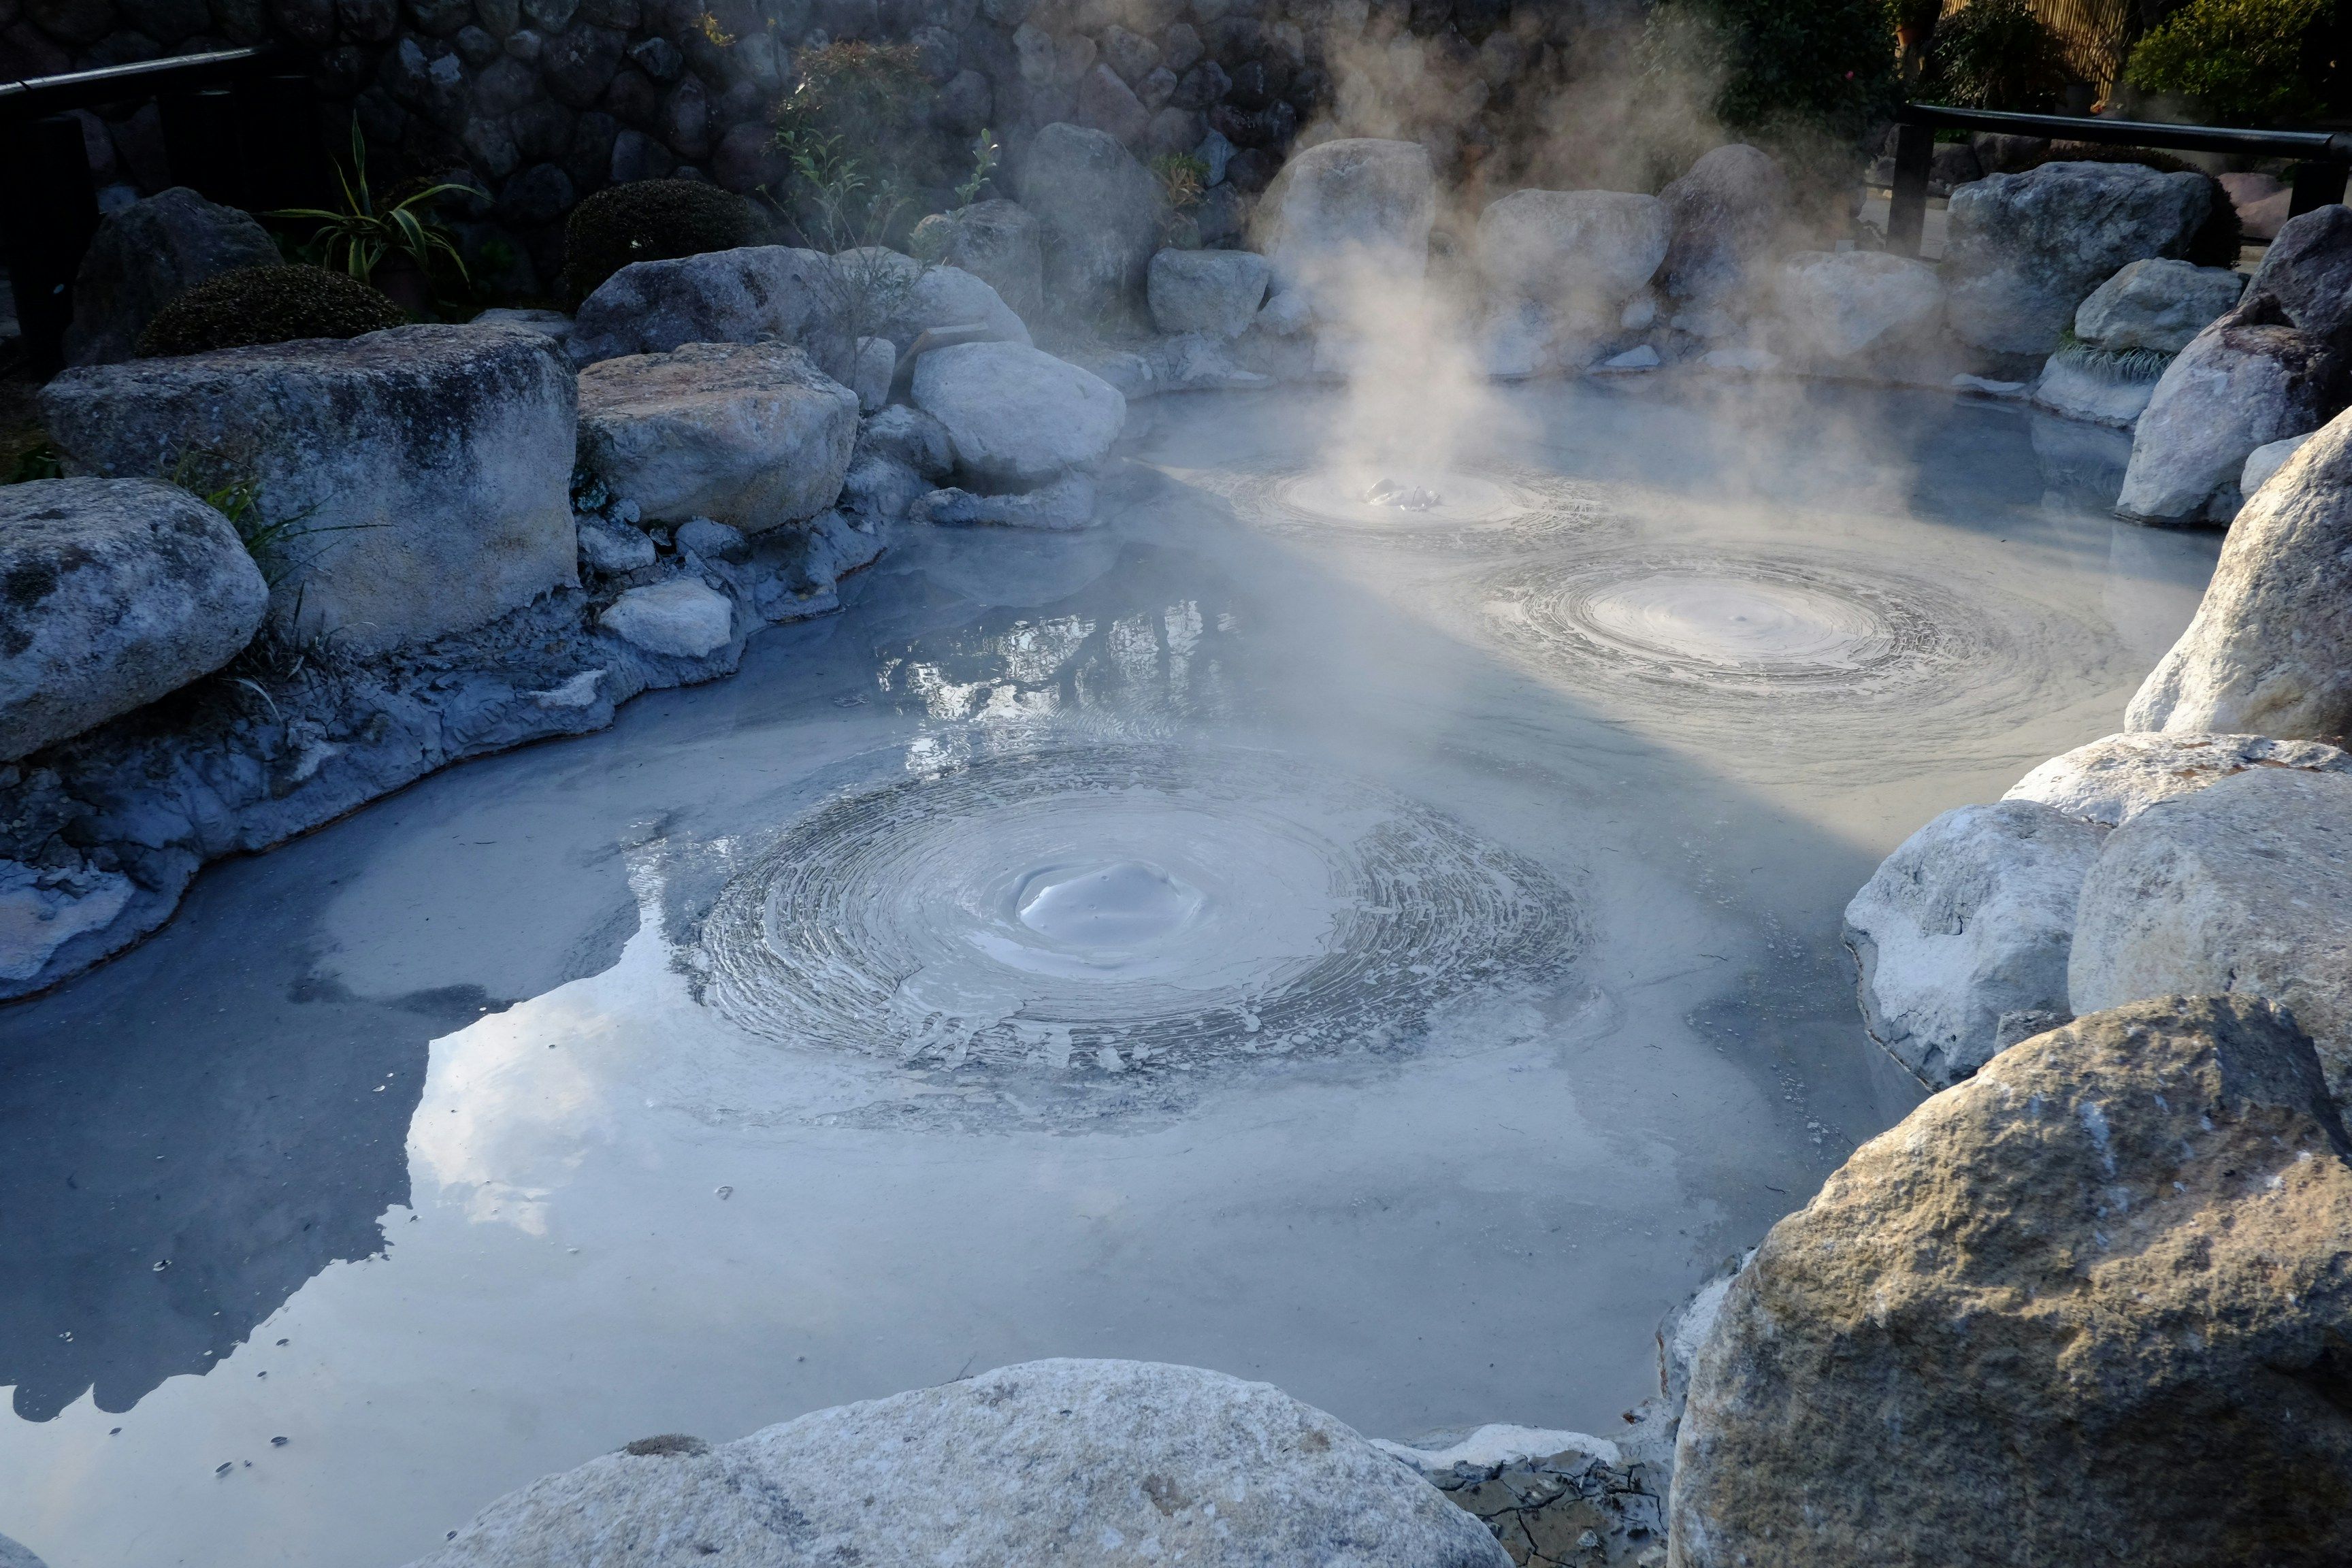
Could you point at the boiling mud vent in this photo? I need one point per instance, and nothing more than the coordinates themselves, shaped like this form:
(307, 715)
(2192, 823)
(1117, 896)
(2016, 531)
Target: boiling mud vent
(1451, 507)
(1125, 910)
(1736, 622)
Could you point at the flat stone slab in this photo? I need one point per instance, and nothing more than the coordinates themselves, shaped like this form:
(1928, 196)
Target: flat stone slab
(750, 434)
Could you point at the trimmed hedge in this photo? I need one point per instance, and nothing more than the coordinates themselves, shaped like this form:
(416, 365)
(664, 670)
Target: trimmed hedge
(252, 305)
(650, 220)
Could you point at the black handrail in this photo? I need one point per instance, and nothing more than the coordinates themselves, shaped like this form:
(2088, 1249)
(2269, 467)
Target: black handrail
(36, 96)
(2319, 179)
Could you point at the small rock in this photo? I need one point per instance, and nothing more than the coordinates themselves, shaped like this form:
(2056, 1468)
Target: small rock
(2264, 462)
(683, 618)
(910, 436)
(1017, 415)
(2092, 389)
(1215, 291)
(877, 361)
(1969, 919)
(711, 540)
(1640, 357)
(613, 547)
(2157, 303)
(1066, 504)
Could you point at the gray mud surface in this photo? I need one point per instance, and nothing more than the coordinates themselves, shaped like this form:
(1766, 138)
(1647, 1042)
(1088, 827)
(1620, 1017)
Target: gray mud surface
(884, 1012)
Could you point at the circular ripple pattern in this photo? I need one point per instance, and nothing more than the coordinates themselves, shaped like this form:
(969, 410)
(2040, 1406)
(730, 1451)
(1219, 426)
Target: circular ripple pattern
(1123, 906)
(1485, 509)
(1749, 624)
(1792, 658)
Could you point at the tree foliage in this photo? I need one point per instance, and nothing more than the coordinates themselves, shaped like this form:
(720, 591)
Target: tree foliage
(2241, 60)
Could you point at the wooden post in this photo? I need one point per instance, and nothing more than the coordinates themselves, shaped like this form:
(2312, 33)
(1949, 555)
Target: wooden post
(1906, 209)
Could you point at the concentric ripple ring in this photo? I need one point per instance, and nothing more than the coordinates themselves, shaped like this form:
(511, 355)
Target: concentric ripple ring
(1480, 508)
(1109, 907)
(1752, 623)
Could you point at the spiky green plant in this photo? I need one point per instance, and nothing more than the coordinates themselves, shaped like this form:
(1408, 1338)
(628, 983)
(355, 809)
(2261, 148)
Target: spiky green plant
(356, 237)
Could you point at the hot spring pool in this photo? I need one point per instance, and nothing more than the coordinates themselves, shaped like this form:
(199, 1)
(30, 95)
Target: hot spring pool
(1386, 950)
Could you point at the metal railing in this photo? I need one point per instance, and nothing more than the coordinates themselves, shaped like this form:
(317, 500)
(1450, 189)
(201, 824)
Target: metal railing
(235, 130)
(2318, 177)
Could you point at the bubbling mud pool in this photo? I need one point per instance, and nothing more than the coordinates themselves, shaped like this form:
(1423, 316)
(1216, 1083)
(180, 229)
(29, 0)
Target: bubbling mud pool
(1124, 905)
(1390, 952)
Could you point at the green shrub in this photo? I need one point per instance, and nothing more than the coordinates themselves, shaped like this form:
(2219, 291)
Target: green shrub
(1996, 54)
(2242, 60)
(873, 94)
(1827, 62)
(2215, 245)
(266, 305)
(865, 160)
(649, 220)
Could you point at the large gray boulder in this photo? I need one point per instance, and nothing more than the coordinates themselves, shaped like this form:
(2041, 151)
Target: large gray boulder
(1837, 305)
(2277, 366)
(1581, 255)
(1962, 934)
(2244, 888)
(147, 255)
(2025, 251)
(2113, 780)
(117, 592)
(996, 241)
(2236, 387)
(1727, 215)
(1099, 213)
(418, 479)
(750, 434)
(1212, 291)
(743, 296)
(1017, 415)
(2270, 649)
(1348, 211)
(1051, 1464)
(2156, 304)
(2087, 1306)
